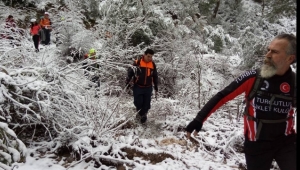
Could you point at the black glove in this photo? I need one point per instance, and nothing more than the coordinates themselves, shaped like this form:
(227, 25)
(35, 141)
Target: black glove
(194, 125)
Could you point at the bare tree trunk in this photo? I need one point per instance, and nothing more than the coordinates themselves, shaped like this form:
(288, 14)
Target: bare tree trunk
(197, 51)
(144, 11)
(199, 85)
(216, 9)
(263, 7)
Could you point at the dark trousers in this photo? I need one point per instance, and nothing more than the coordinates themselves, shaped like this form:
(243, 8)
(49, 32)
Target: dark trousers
(47, 36)
(142, 98)
(260, 154)
(36, 39)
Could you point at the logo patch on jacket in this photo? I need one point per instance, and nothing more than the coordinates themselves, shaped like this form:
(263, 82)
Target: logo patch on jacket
(285, 87)
(265, 85)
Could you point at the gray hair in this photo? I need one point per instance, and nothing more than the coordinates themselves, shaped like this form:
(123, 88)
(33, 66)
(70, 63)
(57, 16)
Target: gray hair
(292, 44)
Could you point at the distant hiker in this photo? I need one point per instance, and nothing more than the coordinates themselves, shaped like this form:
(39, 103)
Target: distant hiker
(34, 31)
(91, 54)
(10, 22)
(42, 33)
(270, 93)
(144, 76)
(92, 69)
(10, 26)
(45, 23)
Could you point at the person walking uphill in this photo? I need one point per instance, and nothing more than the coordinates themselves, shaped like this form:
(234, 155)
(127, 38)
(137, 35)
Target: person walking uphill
(270, 94)
(92, 68)
(144, 75)
(10, 22)
(10, 28)
(46, 26)
(92, 56)
(34, 31)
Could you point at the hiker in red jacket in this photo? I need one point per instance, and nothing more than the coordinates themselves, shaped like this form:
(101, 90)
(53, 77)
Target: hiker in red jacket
(10, 22)
(34, 31)
(269, 115)
(10, 26)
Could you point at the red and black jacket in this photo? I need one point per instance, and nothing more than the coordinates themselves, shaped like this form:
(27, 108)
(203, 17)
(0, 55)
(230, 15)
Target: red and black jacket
(144, 74)
(261, 106)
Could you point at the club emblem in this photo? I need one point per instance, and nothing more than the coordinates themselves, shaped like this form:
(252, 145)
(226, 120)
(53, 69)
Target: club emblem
(285, 87)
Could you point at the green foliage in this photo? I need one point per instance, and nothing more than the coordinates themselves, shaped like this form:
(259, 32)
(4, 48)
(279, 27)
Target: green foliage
(234, 4)
(89, 23)
(139, 37)
(94, 9)
(91, 12)
(157, 26)
(18, 3)
(205, 7)
(279, 8)
(62, 3)
(253, 48)
(218, 44)
(231, 16)
(258, 1)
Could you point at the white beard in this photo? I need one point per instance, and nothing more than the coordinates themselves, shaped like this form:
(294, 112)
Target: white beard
(267, 71)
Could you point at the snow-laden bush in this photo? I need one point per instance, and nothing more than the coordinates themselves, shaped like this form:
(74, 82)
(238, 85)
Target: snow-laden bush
(12, 149)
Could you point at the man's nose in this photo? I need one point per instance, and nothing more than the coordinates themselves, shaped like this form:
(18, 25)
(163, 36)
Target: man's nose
(268, 54)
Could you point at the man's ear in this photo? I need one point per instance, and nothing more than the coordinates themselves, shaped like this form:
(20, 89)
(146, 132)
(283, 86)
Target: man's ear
(292, 59)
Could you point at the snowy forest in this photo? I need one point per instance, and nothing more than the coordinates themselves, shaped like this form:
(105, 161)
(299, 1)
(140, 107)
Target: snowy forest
(52, 108)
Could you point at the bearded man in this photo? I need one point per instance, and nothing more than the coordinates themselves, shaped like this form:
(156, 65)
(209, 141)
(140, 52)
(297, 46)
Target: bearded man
(269, 126)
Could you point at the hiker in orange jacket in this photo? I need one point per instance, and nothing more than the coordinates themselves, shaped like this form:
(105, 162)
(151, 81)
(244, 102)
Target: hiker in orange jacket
(34, 31)
(47, 28)
(145, 77)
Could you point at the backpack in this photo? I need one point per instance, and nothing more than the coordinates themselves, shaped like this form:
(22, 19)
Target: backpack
(254, 90)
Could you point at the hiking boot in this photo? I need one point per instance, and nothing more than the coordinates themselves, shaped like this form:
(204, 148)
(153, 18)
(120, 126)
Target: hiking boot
(143, 119)
(138, 117)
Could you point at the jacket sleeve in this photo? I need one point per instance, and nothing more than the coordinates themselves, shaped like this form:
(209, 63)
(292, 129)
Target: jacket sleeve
(238, 86)
(155, 79)
(130, 73)
(42, 23)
